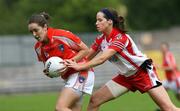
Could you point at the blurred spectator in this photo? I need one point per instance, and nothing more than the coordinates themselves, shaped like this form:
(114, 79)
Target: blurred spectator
(169, 66)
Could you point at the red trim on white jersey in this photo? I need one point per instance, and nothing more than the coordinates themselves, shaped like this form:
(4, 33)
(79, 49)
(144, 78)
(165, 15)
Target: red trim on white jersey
(141, 80)
(128, 57)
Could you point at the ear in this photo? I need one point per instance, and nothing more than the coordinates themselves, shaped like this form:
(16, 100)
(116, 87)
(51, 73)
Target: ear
(110, 21)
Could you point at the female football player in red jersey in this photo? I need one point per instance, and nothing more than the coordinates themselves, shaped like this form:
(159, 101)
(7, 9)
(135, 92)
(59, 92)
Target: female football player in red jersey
(64, 44)
(136, 71)
(169, 65)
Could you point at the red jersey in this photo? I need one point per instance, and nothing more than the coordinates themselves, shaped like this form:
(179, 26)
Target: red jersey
(128, 58)
(169, 61)
(62, 43)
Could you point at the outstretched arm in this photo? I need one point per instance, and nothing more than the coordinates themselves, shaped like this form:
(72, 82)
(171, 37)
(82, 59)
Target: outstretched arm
(92, 53)
(92, 63)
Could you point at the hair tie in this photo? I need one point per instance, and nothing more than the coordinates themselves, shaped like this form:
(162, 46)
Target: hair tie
(42, 15)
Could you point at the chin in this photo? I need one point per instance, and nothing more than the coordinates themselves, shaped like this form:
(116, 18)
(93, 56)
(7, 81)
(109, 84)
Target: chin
(99, 30)
(41, 40)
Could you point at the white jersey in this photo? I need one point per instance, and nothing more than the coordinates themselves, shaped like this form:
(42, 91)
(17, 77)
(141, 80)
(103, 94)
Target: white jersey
(128, 57)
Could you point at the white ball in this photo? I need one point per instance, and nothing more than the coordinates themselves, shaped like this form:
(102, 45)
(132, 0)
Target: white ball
(54, 66)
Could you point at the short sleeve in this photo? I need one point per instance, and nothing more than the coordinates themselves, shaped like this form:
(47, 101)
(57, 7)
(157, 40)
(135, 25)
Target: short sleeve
(119, 43)
(96, 44)
(73, 40)
(68, 37)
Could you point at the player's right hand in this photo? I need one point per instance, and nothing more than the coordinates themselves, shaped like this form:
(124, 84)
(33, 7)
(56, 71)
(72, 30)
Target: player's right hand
(46, 73)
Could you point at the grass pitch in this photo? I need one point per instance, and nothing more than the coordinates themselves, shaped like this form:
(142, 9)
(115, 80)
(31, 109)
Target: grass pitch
(46, 102)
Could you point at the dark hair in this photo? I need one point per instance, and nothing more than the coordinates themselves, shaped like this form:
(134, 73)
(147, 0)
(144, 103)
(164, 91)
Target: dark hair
(41, 19)
(118, 21)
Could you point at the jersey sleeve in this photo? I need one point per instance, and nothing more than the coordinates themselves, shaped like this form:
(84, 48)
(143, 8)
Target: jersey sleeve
(68, 35)
(69, 38)
(119, 43)
(96, 44)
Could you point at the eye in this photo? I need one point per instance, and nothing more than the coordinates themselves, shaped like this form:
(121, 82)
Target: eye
(100, 20)
(30, 31)
(35, 30)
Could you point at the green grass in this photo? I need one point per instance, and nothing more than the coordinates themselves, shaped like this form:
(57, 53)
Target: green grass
(47, 101)
(28, 102)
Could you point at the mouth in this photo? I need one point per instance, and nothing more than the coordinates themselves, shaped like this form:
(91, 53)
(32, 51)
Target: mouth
(98, 28)
(37, 38)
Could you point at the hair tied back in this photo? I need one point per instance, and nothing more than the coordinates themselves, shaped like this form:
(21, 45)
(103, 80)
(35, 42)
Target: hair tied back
(45, 15)
(121, 19)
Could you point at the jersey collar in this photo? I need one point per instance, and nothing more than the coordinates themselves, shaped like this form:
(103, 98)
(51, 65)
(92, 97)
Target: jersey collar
(50, 33)
(113, 34)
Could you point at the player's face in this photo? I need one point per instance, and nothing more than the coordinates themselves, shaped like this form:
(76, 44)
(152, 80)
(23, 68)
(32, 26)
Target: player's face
(39, 33)
(164, 48)
(102, 24)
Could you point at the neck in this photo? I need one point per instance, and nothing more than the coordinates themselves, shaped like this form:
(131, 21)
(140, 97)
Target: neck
(46, 41)
(108, 31)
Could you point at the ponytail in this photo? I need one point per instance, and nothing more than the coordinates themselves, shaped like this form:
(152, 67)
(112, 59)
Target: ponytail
(120, 24)
(45, 15)
(41, 19)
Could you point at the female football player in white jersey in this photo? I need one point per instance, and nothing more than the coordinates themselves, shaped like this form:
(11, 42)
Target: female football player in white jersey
(136, 71)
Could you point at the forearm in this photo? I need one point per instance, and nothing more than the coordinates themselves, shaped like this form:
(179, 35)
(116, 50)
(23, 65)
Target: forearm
(81, 54)
(92, 53)
(94, 62)
(99, 59)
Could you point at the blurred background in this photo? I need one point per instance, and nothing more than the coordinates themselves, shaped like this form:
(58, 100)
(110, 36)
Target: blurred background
(149, 23)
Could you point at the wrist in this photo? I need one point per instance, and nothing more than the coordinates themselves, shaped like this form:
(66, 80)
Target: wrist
(74, 60)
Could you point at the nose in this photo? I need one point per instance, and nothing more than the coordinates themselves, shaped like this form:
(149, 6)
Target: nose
(34, 33)
(96, 23)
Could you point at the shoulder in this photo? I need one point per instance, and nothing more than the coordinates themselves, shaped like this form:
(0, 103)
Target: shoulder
(59, 32)
(121, 37)
(169, 53)
(62, 32)
(99, 38)
(66, 35)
